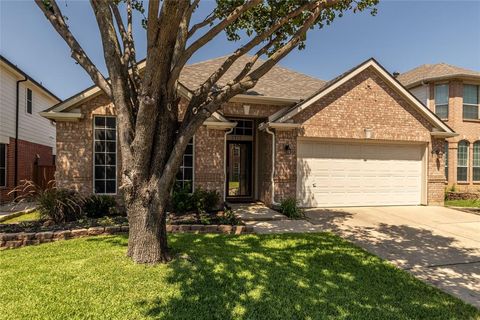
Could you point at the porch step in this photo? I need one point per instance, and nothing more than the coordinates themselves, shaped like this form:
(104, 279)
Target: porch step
(255, 212)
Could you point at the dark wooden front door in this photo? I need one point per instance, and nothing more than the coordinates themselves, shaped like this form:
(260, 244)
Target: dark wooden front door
(239, 170)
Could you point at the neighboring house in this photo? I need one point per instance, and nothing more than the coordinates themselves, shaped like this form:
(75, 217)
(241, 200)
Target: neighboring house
(25, 137)
(360, 139)
(453, 93)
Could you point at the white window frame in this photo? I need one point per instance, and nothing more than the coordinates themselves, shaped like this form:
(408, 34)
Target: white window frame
(3, 184)
(458, 159)
(116, 155)
(476, 161)
(27, 90)
(471, 104)
(443, 104)
(182, 167)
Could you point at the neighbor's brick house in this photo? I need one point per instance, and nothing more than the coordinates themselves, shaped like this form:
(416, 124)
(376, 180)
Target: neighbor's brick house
(26, 138)
(453, 93)
(361, 139)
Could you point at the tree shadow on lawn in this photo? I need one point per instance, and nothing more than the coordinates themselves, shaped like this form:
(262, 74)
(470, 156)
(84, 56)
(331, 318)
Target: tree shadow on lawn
(294, 276)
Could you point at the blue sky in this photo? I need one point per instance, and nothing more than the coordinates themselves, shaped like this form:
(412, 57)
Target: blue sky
(403, 35)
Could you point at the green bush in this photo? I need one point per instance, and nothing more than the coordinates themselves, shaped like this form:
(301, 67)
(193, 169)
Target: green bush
(182, 200)
(97, 206)
(289, 207)
(59, 205)
(205, 200)
(200, 200)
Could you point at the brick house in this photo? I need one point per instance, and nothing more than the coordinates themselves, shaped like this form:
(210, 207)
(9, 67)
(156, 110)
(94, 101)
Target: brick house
(453, 93)
(360, 139)
(26, 138)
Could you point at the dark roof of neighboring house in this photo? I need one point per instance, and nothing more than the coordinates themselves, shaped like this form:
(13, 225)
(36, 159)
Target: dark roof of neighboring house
(20, 71)
(428, 72)
(279, 82)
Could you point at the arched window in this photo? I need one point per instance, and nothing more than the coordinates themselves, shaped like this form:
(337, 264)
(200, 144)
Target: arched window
(462, 161)
(476, 161)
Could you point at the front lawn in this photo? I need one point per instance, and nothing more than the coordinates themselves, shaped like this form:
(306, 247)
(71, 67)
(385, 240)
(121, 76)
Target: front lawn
(31, 216)
(314, 276)
(471, 203)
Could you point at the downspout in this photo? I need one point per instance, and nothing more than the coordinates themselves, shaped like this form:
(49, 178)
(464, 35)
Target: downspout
(272, 181)
(225, 164)
(17, 120)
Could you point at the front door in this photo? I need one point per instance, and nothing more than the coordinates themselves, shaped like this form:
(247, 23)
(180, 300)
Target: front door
(239, 170)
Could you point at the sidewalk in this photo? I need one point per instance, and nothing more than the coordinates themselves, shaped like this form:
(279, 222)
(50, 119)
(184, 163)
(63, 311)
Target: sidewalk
(265, 220)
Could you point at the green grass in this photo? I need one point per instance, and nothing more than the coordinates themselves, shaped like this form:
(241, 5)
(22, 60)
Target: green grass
(315, 276)
(35, 215)
(472, 203)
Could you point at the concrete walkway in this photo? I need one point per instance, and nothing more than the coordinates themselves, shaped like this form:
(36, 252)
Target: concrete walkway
(438, 245)
(12, 208)
(265, 220)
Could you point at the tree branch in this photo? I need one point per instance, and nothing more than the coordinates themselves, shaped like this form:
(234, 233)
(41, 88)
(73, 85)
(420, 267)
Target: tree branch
(54, 15)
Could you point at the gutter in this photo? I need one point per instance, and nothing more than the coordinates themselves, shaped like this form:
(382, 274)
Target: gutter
(272, 180)
(17, 121)
(225, 163)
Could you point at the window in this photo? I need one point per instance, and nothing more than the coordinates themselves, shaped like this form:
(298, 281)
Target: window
(462, 165)
(441, 101)
(476, 161)
(105, 155)
(185, 173)
(470, 102)
(3, 165)
(243, 128)
(29, 101)
(446, 160)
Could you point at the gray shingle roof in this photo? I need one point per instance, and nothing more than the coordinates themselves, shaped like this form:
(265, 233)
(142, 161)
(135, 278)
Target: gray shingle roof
(279, 82)
(437, 71)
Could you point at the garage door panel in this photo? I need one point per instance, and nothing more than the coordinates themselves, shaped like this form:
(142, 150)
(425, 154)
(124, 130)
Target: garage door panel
(332, 174)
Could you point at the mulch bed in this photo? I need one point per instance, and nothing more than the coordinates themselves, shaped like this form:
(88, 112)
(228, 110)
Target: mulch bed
(42, 225)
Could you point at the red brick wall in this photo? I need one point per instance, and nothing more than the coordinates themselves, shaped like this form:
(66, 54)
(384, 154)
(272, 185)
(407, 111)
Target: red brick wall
(27, 154)
(468, 130)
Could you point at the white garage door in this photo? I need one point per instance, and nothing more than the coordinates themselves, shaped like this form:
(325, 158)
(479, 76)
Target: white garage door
(358, 174)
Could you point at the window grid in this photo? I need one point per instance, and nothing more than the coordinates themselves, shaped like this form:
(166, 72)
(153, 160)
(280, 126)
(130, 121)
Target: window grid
(476, 161)
(441, 101)
(470, 102)
(243, 128)
(29, 101)
(462, 165)
(446, 160)
(3, 165)
(185, 173)
(105, 155)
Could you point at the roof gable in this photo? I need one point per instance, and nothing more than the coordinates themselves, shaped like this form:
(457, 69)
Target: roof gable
(344, 78)
(439, 71)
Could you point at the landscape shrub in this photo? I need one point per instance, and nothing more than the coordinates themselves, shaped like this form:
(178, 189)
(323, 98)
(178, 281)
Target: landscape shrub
(97, 206)
(58, 205)
(289, 207)
(200, 200)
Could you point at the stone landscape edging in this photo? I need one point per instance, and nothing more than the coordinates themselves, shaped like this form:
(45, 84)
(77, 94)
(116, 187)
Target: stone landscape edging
(16, 214)
(22, 239)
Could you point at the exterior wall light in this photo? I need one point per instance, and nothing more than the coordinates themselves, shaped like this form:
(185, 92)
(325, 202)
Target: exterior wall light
(288, 149)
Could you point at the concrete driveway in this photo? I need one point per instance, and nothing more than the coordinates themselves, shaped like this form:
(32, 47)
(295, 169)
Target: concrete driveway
(438, 245)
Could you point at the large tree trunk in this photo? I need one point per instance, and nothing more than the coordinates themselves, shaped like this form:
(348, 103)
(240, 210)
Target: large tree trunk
(147, 239)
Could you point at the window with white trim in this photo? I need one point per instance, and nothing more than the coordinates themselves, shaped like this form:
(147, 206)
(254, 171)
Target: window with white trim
(185, 173)
(3, 165)
(470, 102)
(105, 155)
(441, 101)
(29, 101)
(476, 161)
(446, 160)
(462, 161)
